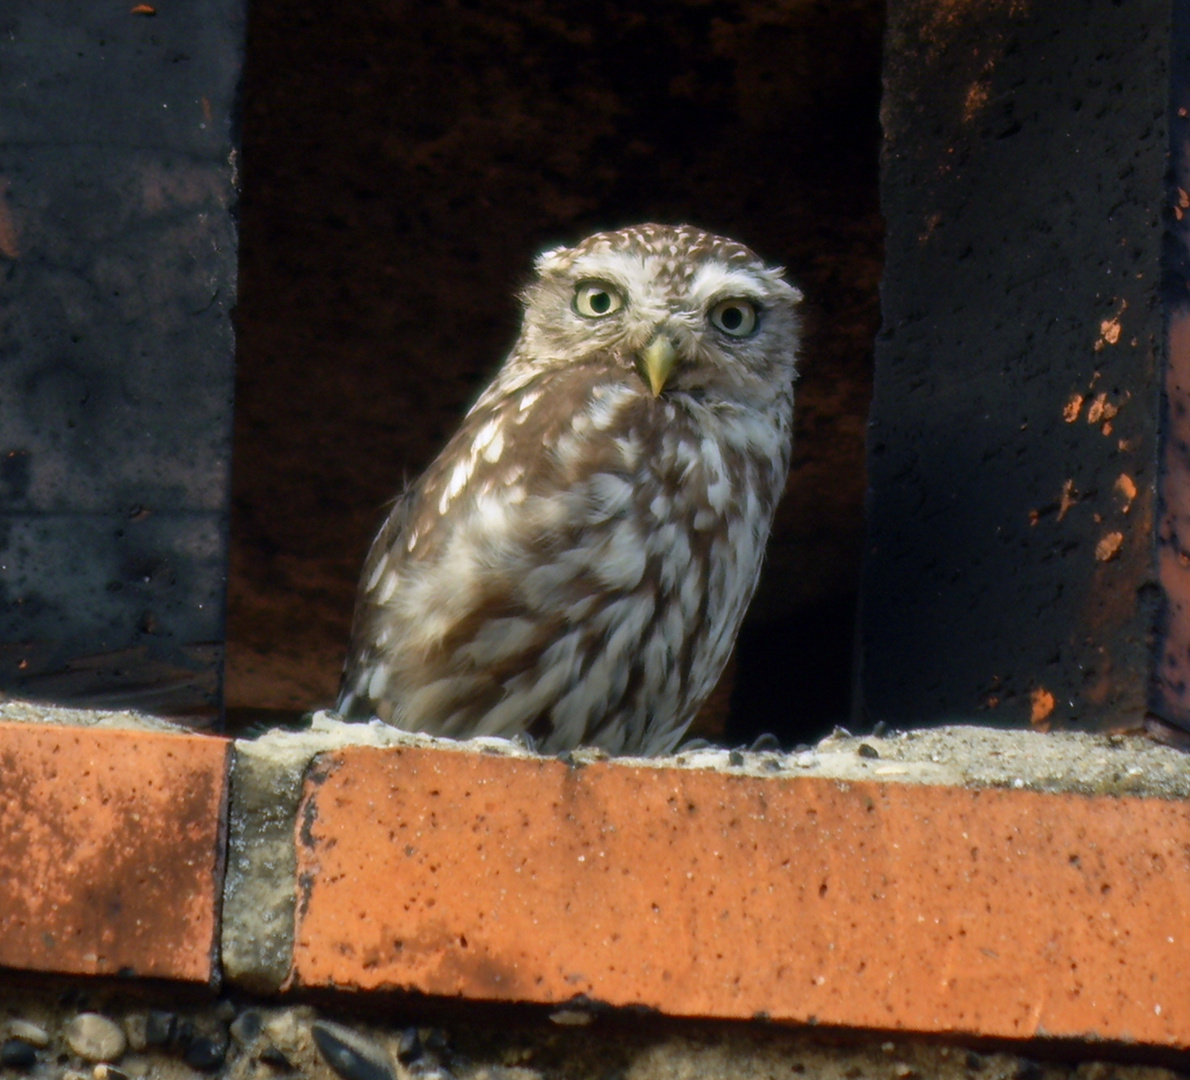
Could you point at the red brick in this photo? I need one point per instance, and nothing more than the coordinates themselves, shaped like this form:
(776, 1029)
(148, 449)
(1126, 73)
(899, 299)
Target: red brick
(1004, 913)
(110, 850)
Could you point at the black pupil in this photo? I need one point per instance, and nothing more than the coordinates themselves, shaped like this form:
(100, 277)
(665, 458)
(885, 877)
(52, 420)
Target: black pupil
(601, 303)
(732, 318)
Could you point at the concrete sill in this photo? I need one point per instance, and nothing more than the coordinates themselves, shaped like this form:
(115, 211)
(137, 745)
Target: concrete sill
(967, 882)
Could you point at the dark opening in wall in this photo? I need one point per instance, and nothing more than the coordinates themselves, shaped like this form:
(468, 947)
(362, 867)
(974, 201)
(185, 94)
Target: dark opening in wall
(403, 163)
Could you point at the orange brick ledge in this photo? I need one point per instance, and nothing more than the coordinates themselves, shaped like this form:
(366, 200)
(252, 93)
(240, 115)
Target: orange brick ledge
(996, 913)
(860, 902)
(111, 850)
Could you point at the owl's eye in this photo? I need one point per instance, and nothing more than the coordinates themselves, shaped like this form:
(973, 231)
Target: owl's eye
(735, 317)
(595, 299)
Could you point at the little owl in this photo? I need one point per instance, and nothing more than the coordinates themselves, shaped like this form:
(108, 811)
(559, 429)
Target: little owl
(575, 564)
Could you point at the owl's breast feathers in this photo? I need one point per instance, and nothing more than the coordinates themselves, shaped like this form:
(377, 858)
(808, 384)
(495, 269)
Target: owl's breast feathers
(575, 563)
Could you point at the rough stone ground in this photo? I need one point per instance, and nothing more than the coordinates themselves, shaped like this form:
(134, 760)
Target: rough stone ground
(173, 1036)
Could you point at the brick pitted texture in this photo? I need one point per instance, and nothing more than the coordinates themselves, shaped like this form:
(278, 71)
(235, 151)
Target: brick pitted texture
(1003, 913)
(111, 851)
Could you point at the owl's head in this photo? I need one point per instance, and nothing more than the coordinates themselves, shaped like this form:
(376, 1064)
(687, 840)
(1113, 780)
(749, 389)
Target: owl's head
(682, 309)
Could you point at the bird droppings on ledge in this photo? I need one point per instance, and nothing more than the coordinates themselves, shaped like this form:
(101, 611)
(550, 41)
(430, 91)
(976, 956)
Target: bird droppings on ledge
(16, 711)
(960, 755)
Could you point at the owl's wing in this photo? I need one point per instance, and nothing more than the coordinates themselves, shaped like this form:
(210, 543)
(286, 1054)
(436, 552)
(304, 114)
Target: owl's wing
(441, 600)
(366, 630)
(409, 580)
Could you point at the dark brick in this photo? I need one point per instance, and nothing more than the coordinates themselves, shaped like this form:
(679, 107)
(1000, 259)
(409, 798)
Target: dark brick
(118, 263)
(1017, 425)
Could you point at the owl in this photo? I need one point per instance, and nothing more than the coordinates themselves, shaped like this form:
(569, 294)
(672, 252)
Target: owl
(576, 563)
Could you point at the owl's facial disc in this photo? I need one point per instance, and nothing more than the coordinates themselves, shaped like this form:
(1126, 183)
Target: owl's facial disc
(657, 360)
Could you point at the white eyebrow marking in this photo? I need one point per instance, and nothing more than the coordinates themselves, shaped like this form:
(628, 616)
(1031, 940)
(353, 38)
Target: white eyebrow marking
(713, 280)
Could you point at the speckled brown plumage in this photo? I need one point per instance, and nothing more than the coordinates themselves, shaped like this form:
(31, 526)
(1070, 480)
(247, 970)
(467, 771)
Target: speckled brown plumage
(576, 562)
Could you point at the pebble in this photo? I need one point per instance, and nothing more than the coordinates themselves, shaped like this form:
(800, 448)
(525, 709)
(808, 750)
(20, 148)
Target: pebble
(246, 1027)
(185, 1034)
(108, 1072)
(273, 1057)
(135, 1025)
(29, 1032)
(160, 1028)
(350, 1054)
(436, 1040)
(18, 1054)
(409, 1047)
(571, 1017)
(95, 1038)
(285, 1033)
(205, 1054)
(225, 1011)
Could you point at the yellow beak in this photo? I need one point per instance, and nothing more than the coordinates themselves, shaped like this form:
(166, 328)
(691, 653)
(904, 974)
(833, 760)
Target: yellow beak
(657, 362)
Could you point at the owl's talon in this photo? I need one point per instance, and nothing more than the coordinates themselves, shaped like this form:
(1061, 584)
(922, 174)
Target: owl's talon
(525, 741)
(765, 741)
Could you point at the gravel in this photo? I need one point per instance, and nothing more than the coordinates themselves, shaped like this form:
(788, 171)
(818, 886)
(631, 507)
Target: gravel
(242, 1038)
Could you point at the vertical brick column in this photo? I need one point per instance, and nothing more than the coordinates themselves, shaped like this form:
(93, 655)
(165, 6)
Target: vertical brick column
(1172, 690)
(118, 271)
(1033, 370)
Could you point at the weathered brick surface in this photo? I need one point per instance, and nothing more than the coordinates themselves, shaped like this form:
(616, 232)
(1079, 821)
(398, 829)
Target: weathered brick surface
(1003, 913)
(864, 903)
(110, 851)
(1024, 549)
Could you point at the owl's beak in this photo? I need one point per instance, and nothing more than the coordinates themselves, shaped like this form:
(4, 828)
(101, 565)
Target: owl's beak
(657, 361)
